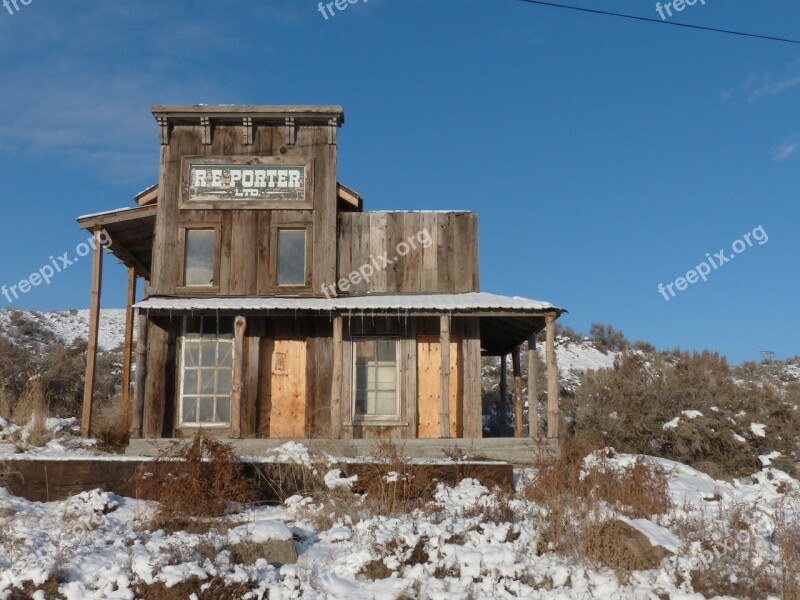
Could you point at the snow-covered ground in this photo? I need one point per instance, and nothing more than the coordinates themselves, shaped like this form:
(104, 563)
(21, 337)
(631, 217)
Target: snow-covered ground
(97, 546)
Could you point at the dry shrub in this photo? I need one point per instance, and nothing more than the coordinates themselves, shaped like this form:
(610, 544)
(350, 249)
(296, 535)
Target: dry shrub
(5, 403)
(391, 485)
(202, 589)
(281, 480)
(573, 496)
(32, 410)
(787, 538)
(110, 431)
(198, 479)
(627, 406)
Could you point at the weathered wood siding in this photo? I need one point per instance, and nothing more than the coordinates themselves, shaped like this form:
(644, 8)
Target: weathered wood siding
(245, 261)
(447, 262)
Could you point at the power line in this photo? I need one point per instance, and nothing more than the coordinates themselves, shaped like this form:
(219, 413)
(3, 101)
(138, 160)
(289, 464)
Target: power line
(660, 22)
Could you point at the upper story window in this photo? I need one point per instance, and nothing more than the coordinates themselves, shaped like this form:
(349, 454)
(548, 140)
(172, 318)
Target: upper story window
(291, 257)
(199, 257)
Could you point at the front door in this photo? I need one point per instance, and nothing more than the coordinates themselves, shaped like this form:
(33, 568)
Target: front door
(282, 410)
(429, 387)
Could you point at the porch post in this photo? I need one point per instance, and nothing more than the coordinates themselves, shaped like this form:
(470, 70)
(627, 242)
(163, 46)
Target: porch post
(502, 408)
(127, 354)
(517, 365)
(141, 377)
(238, 375)
(94, 323)
(444, 343)
(336, 382)
(552, 378)
(533, 391)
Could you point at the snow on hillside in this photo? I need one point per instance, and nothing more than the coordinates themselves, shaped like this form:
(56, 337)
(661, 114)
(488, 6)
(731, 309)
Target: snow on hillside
(573, 359)
(68, 326)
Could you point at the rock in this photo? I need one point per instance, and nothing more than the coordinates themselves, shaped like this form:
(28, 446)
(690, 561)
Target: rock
(278, 552)
(619, 545)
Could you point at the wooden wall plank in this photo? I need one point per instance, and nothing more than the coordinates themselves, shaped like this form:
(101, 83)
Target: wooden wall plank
(444, 375)
(155, 384)
(472, 400)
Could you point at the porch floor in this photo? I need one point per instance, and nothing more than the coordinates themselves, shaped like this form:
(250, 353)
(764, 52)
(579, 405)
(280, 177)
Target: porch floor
(516, 451)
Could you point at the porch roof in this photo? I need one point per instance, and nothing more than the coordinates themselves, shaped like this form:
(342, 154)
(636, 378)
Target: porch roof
(505, 322)
(470, 303)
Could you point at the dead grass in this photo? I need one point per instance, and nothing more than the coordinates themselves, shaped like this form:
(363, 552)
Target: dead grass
(572, 499)
(391, 485)
(202, 589)
(32, 410)
(111, 432)
(627, 406)
(194, 480)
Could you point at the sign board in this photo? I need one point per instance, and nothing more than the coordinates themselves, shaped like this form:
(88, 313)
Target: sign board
(270, 183)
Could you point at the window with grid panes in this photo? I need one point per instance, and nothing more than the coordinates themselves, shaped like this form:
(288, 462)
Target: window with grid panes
(375, 375)
(206, 372)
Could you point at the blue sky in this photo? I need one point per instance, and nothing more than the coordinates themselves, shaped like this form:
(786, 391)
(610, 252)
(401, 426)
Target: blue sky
(603, 156)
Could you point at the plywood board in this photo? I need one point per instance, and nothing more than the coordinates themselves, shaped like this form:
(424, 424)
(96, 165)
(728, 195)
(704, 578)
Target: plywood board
(429, 407)
(282, 410)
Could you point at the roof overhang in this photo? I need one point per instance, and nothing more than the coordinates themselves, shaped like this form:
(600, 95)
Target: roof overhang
(130, 231)
(505, 322)
(191, 113)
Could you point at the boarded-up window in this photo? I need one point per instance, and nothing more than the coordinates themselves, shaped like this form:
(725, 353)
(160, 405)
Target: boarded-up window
(291, 257)
(375, 379)
(199, 257)
(206, 373)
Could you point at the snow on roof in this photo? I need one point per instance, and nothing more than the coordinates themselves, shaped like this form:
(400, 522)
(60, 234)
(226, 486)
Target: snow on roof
(379, 302)
(108, 212)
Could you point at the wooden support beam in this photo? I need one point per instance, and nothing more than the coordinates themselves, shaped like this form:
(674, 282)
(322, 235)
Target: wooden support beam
(141, 376)
(444, 343)
(533, 389)
(336, 380)
(517, 363)
(502, 407)
(239, 326)
(552, 378)
(94, 326)
(472, 407)
(127, 353)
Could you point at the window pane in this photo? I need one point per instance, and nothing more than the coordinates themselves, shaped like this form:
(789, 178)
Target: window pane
(209, 358)
(375, 376)
(224, 377)
(386, 350)
(207, 381)
(225, 355)
(291, 257)
(190, 381)
(223, 410)
(199, 252)
(191, 354)
(206, 410)
(190, 410)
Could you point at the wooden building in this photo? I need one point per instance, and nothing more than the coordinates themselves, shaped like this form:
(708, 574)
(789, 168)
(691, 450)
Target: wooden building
(276, 307)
